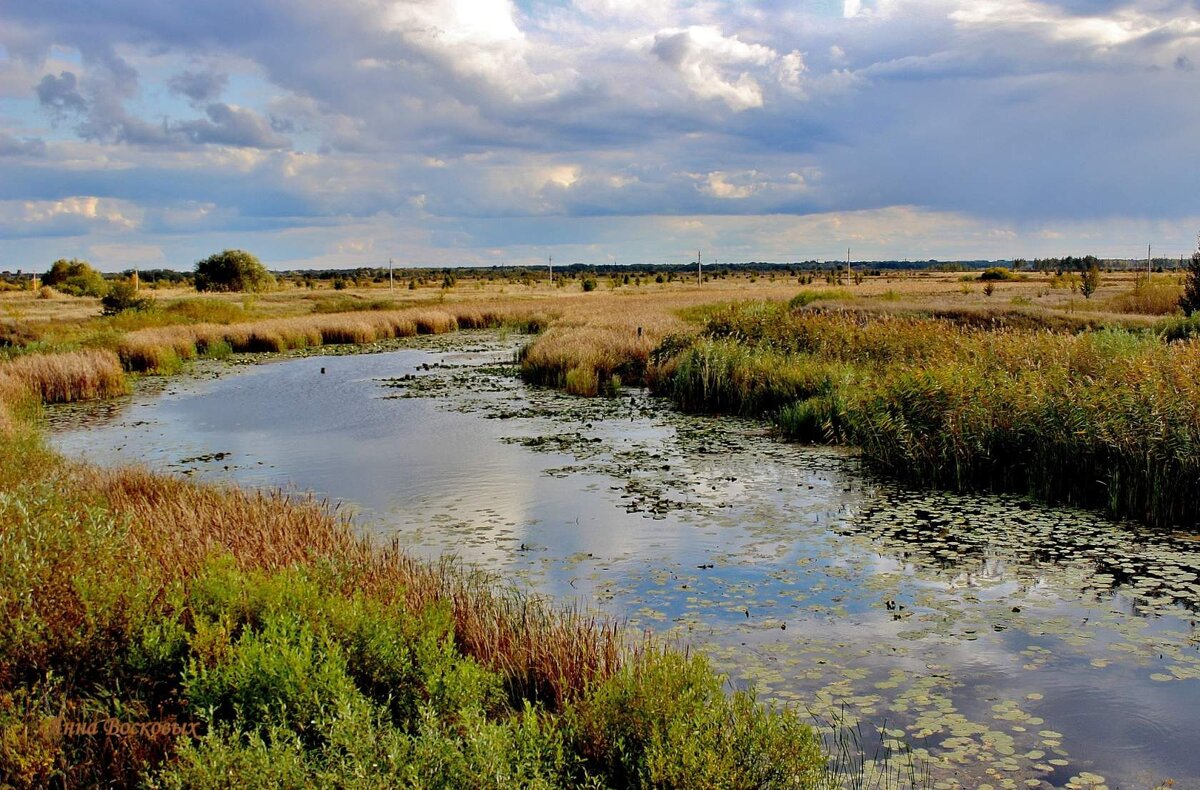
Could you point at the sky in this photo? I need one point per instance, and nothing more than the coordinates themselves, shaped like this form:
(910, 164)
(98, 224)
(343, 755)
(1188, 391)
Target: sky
(323, 134)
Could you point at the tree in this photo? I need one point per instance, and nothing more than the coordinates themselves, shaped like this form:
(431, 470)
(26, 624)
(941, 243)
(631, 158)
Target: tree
(75, 277)
(1190, 301)
(1089, 270)
(232, 270)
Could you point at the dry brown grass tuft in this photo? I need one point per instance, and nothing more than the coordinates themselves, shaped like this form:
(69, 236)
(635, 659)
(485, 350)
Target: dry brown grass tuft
(583, 359)
(434, 322)
(73, 376)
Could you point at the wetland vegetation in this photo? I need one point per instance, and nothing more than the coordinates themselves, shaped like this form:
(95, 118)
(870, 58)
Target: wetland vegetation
(309, 652)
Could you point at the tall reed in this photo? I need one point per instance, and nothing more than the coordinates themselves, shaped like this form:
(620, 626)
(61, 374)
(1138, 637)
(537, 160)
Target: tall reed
(1107, 419)
(66, 377)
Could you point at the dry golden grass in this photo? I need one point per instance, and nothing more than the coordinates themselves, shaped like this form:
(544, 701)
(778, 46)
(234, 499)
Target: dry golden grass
(1155, 298)
(582, 359)
(151, 349)
(12, 393)
(73, 376)
(179, 526)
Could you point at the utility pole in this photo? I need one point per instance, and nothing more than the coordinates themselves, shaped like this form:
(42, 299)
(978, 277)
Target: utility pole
(1147, 263)
(699, 271)
(849, 273)
(550, 260)
(391, 279)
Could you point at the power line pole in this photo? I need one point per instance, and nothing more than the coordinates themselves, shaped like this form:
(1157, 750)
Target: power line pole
(699, 271)
(550, 260)
(1147, 263)
(391, 279)
(849, 272)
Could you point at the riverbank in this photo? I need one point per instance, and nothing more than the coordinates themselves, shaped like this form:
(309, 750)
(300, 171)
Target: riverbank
(298, 653)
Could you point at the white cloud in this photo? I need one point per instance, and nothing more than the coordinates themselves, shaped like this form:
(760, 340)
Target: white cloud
(712, 65)
(717, 185)
(70, 216)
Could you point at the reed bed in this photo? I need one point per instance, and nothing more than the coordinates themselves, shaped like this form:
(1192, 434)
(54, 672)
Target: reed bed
(158, 349)
(583, 360)
(1107, 419)
(602, 343)
(67, 377)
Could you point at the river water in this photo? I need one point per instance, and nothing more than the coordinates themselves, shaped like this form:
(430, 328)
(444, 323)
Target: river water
(978, 640)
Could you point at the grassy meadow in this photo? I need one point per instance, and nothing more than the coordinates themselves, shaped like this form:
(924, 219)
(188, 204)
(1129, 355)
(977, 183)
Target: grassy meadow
(307, 656)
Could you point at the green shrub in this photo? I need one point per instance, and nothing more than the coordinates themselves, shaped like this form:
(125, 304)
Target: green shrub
(215, 349)
(123, 296)
(75, 277)
(666, 722)
(1177, 329)
(232, 270)
(997, 273)
(293, 679)
(589, 283)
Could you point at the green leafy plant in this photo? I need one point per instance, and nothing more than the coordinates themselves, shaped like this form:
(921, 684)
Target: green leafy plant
(124, 296)
(75, 277)
(233, 270)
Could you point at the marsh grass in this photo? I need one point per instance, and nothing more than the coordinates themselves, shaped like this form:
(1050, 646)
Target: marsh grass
(1156, 298)
(1107, 418)
(159, 350)
(581, 359)
(67, 377)
(310, 656)
(351, 304)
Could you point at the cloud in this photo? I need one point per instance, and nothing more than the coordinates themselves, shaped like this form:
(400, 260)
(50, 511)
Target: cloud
(230, 125)
(266, 117)
(60, 95)
(709, 63)
(73, 216)
(199, 86)
(10, 145)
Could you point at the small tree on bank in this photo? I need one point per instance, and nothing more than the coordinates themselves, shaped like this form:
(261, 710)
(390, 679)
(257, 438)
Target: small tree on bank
(124, 296)
(1190, 301)
(1089, 276)
(232, 270)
